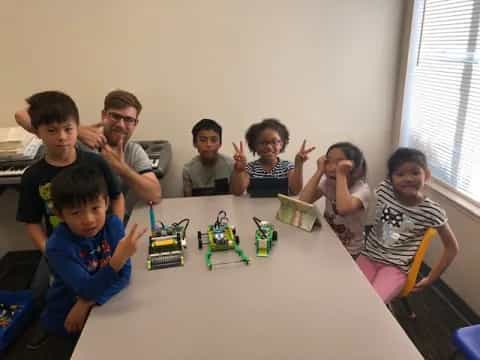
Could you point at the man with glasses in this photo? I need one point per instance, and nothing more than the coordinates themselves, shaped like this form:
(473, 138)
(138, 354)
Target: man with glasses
(128, 159)
(111, 136)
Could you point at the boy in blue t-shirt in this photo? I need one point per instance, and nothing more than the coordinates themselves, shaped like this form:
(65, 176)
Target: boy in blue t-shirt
(88, 252)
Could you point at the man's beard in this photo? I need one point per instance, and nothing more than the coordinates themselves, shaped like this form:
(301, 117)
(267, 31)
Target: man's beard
(113, 137)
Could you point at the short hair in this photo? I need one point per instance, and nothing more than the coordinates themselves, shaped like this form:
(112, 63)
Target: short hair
(254, 131)
(120, 99)
(403, 155)
(206, 124)
(76, 185)
(50, 107)
(354, 154)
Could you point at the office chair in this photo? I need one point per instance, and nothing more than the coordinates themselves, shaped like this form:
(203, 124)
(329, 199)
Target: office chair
(467, 342)
(414, 269)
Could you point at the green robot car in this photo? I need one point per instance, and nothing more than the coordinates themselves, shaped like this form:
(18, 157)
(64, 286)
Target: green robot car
(220, 237)
(265, 237)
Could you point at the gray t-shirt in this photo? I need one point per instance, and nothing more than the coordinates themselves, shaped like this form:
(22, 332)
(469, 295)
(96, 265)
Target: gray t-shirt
(197, 176)
(137, 159)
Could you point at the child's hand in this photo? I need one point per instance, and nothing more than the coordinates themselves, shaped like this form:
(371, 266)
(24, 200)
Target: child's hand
(344, 167)
(126, 247)
(422, 284)
(239, 157)
(302, 155)
(321, 163)
(77, 316)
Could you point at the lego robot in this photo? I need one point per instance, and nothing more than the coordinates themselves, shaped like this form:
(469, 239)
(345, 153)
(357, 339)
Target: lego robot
(221, 237)
(166, 244)
(265, 237)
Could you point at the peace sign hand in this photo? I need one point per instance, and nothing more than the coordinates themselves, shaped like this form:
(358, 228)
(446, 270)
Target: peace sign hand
(126, 247)
(114, 155)
(302, 155)
(239, 157)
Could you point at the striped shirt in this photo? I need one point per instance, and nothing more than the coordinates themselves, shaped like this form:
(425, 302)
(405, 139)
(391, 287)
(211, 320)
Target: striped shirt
(399, 229)
(279, 171)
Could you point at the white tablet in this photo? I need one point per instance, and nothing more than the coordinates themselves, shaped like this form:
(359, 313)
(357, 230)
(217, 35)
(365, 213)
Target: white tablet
(296, 212)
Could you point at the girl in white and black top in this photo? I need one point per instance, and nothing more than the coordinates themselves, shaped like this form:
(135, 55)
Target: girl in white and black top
(403, 214)
(341, 179)
(268, 139)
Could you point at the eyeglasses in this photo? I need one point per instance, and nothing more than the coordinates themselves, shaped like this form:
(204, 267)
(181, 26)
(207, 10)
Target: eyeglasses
(128, 120)
(276, 142)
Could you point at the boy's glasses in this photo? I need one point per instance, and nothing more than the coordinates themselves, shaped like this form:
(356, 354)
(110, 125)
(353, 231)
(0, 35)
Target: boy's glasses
(264, 144)
(128, 120)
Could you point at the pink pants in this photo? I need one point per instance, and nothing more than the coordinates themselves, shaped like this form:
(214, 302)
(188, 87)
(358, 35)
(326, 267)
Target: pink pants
(387, 280)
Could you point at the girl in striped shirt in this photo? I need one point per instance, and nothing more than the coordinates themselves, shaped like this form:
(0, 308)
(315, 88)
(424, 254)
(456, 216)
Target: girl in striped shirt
(403, 214)
(268, 139)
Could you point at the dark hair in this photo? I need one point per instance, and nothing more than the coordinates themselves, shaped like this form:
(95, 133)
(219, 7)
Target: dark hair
(206, 124)
(49, 107)
(403, 155)
(354, 154)
(120, 99)
(254, 131)
(76, 185)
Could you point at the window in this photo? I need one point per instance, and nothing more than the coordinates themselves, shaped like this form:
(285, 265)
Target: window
(441, 110)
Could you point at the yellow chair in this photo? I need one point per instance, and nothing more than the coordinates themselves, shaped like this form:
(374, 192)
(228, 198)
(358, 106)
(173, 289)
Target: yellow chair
(415, 268)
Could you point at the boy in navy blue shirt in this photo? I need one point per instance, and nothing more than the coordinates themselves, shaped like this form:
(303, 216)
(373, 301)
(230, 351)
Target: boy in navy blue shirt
(88, 252)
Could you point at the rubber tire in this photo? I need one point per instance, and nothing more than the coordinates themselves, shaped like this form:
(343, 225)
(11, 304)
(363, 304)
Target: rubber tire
(200, 244)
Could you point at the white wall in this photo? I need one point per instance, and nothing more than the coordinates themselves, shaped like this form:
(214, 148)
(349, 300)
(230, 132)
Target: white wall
(327, 68)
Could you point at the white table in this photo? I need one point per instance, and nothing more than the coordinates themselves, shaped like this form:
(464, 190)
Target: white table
(308, 300)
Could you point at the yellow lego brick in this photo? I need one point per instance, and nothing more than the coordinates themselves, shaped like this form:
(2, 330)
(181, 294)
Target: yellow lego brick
(262, 252)
(164, 242)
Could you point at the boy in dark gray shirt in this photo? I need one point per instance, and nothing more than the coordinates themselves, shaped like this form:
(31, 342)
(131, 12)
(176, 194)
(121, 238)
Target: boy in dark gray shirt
(209, 172)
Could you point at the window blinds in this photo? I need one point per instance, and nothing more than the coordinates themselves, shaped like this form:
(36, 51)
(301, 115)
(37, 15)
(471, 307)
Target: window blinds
(441, 113)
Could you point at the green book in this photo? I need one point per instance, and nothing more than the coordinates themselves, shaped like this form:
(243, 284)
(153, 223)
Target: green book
(296, 212)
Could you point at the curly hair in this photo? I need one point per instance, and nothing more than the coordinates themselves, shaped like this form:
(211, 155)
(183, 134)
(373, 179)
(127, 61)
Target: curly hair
(255, 130)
